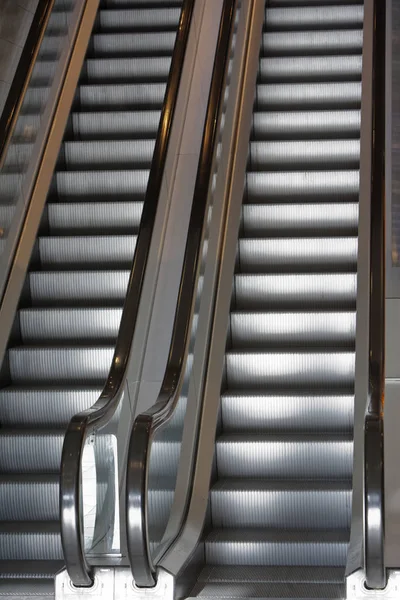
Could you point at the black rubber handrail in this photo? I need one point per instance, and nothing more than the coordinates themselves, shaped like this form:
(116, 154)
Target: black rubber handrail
(24, 65)
(87, 422)
(148, 423)
(375, 572)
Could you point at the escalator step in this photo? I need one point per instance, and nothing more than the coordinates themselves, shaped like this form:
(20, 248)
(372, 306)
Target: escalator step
(31, 570)
(287, 413)
(317, 456)
(75, 287)
(308, 185)
(312, 154)
(250, 330)
(32, 540)
(306, 124)
(59, 365)
(29, 497)
(276, 547)
(132, 44)
(253, 591)
(275, 220)
(314, 291)
(86, 251)
(302, 370)
(115, 125)
(297, 254)
(312, 42)
(98, 185)
(314, 17)
(30, 451)
(62, 325)
(145, 96)
(310, 68)
(276, 574)
(164, 19)
(286, 505)
(108, 154)
(301, 96)
(101, 217)
(43, 407)
(107, 70)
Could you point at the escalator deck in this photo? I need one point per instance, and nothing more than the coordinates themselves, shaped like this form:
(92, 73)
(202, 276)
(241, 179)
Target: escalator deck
(70, 310)
(280, 500)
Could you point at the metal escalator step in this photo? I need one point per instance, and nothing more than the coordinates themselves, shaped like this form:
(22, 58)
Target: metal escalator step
(160, 498)
(101, 217)
(312, 42)
(145, 96)
(274, 220)
(314, 17)
(55, 365)
(108, 154)
(250, 330)
(265, 582)
(58, 325)
(276, 547)
(29, 497)
(31, 570)
(287, 413)
(43, 407)
(40, 540)
(141, 19)
(311, 290)
(310, 68)
(301, 456)
(80, 251)
(165, 456)
(30, 451)
(132, 44)
(276, 574)
(74, 287)
(323, 186)
(302, 125)
(297, 254)
(301, 96)
(98, 185)
(6, 216)
(24, 588)
(34, 100)
(306, 369)
(310, 154)
(115, 125)
(281, 504)
(38, 451)
(256, 590)
(126, 70)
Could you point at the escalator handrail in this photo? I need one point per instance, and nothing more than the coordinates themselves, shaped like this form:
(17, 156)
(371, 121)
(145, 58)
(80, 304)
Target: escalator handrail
(87, 422)
(149, 422)
(28, 54)
(374, 531)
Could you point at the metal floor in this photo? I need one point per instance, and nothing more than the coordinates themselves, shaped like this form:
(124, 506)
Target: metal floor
(69, 314)
(280, 499)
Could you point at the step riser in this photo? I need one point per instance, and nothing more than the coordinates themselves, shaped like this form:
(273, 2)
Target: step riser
(296, 510)
(276, 554)
(283, 460)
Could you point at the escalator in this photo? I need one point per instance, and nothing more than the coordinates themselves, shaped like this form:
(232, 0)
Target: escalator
(69, 313)
(281, 489)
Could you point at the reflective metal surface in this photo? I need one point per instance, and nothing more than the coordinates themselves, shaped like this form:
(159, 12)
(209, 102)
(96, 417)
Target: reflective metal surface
(99, 415)
(143, 533)
(374, 510)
